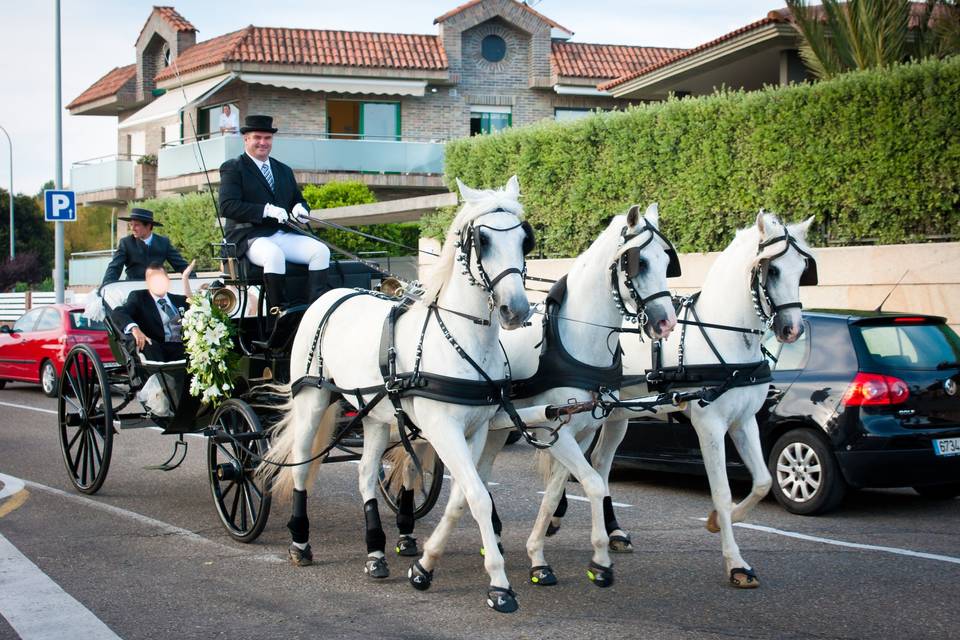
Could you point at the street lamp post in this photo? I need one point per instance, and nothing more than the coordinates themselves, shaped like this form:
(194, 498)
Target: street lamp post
(10, 145)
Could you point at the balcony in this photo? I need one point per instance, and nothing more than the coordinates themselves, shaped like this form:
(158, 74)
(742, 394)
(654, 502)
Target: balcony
(105, 180)
(314, 158)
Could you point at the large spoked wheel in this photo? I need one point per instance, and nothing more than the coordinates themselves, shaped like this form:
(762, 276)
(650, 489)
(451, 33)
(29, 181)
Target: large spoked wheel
(242, 499)
(85, 414)
(398, 471)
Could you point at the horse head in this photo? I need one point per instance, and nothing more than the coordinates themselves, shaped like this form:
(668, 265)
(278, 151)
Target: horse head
(783, 263)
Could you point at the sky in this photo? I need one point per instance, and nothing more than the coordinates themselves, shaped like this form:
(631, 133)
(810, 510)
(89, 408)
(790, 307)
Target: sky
(98, 35)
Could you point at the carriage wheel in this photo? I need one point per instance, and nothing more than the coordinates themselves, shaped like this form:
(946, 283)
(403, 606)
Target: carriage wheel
(85, 415)
(241, 498)
(427, 487)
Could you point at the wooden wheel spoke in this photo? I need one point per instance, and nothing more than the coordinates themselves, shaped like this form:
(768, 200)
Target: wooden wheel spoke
(75, 462)
(83, 460)
(253, 486)
(73, 440)
(96, 448)
(249, 500)
(91, 459)
(236, 502)
(243, 506)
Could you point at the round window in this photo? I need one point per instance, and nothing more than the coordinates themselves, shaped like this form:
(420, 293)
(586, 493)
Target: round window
(493, 48)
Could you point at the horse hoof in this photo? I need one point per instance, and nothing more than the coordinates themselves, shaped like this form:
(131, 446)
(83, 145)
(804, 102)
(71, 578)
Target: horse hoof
(376, 568)
(300, 557)
(407, 546)
(743, 578)
(621, 544)
(502, 600)
(483, 550)
(552, 529)
(419, 578)
(600, 575)
(543, 576)
(712, 525)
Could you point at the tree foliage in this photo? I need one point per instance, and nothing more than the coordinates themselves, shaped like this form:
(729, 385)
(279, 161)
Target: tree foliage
(191, 224)
(31, 233)
(873, 155)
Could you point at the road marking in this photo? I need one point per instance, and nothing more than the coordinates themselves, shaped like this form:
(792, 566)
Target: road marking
(37, 608)
(14, 502)
(27, 407)
(842, 543)
(582, 499)
(164, 527)
(11, 486)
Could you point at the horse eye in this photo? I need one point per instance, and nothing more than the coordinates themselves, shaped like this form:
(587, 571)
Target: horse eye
(482, 240)
(773, 272)
(641, 266)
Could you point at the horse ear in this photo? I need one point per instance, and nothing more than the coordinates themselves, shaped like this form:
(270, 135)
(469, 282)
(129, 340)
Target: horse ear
(802, 228)
(468, 194)
(652, 214)
(633, 216)
(761, 225)
(513, 188)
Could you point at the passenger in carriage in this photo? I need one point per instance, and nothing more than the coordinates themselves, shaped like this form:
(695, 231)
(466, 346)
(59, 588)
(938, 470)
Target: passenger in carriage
(153, 315)
(258, 196)
(142, 248)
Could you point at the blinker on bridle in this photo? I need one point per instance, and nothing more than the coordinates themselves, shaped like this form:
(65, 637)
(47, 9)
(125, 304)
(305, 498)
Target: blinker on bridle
(629, 263)
(470, 244)
(758, 286)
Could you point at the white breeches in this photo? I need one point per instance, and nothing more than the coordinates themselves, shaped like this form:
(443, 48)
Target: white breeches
(273, 252)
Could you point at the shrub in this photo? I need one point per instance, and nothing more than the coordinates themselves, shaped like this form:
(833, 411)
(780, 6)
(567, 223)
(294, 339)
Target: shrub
(872, 155)
(24, 269)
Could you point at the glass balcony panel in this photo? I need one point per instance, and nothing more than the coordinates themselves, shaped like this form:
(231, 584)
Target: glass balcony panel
(101, 175)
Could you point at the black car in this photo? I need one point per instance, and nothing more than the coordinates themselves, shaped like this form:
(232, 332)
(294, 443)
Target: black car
(862, 399)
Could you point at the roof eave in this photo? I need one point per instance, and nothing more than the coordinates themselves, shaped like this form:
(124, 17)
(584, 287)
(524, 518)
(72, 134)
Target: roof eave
(106, 106)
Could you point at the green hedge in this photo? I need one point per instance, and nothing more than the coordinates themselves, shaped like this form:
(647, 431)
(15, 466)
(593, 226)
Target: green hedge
(874, 155)
(190, 223)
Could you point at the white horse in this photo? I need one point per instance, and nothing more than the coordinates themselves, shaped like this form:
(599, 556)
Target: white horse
(769, 261)
(631, 259)
(479, 274)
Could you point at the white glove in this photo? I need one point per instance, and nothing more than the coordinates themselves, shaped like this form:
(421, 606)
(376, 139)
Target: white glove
(300, 213)
(275, 212)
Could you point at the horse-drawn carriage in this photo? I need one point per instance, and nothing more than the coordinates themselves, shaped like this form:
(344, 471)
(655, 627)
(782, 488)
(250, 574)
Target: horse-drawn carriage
(98, 400)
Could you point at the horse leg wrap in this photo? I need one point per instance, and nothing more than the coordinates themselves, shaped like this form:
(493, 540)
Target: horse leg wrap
(609, 520)
(495, 517)
(376, 538)
(299, 524)
(405, 519)
(562, 506)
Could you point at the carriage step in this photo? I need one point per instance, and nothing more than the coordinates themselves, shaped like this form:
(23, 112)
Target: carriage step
(179, 447)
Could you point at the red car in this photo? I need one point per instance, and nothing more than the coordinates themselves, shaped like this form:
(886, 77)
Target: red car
(34, 349)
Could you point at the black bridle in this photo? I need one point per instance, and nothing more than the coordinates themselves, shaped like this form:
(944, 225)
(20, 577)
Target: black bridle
(469, 245)
(762, 300)
(628, 262)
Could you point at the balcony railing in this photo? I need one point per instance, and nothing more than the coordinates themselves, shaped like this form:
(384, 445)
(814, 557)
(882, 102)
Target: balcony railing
(309, 153)
(101, 174)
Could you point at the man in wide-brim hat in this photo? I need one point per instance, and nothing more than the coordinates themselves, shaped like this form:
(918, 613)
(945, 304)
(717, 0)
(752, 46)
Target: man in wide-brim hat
(258, 196)
(144, 247)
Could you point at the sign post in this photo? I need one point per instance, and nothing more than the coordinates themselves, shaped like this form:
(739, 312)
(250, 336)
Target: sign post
(58, 286)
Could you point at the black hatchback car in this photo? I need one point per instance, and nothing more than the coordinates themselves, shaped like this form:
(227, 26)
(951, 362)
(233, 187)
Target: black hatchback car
(862, 399)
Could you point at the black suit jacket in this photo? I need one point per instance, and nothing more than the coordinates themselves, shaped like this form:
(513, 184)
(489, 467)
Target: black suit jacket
(131, 254)
(142, 309)
(244, 192)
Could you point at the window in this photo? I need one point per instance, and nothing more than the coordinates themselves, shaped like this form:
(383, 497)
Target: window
(27, 321)
(354, 120)
(911, 346)
(562, 114)
(49, 320)
(489, 119)
(493, 48)
(79, 321)
(166, 55)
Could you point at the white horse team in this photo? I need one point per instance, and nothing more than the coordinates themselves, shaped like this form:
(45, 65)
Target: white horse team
(479, 275)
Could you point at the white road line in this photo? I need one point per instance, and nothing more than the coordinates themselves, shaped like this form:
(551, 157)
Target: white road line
(165, 528)
(842, 543)
(582, 499)
(37, 608)
(27, 407)
(11, 486)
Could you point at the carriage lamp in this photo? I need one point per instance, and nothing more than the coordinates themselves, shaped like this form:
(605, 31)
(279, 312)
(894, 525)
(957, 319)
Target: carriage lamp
(225, 299)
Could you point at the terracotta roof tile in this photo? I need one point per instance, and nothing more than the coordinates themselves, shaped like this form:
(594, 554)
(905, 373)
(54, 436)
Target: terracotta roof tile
(106, 86)
(205, 54)
(174, 19)
(584, 60)
(522, 5)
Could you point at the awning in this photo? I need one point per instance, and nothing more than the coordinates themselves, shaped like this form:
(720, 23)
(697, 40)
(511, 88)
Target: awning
(335, 84)
(173, 101)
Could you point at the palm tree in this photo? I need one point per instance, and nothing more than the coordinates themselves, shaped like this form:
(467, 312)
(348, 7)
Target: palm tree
(861, 34)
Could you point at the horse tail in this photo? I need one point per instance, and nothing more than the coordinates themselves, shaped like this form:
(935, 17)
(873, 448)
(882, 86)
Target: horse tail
(283, 439)
(401, 467)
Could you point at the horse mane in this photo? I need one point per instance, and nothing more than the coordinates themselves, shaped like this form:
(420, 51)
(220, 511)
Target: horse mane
(439, 274)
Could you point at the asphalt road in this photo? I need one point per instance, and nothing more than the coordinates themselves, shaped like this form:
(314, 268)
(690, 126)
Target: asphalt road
(172, 572)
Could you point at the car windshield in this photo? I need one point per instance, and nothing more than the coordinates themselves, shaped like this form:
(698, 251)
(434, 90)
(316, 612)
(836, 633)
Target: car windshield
(911, 346)
(78, 321)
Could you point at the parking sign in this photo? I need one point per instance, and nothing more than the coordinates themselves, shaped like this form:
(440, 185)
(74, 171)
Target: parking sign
(59, 205)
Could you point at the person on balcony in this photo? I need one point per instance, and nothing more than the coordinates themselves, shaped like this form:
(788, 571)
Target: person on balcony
(258, 196)
(229, 120)
(135, 252)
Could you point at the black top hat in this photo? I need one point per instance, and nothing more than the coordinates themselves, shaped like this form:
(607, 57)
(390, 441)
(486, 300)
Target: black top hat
(140, 215)
(258, 123)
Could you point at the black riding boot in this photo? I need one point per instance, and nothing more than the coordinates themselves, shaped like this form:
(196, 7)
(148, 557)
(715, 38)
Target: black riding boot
(276, 296)
(316, 284)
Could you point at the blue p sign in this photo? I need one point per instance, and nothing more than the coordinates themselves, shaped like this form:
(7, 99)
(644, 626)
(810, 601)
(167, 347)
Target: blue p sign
(59, 206)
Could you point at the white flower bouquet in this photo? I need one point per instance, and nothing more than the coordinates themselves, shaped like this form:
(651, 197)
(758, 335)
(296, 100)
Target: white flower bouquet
(208, 340)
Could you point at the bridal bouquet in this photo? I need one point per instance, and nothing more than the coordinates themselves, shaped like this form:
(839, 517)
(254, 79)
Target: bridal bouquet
(208, 340)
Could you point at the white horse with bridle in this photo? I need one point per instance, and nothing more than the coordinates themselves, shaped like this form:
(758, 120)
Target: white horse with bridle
(568, 358)
(753, 285)
(440, 361)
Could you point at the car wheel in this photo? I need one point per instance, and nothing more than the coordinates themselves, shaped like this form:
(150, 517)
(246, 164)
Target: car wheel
(3, 383)
(806, 476)
(939, 491)
(48, 379)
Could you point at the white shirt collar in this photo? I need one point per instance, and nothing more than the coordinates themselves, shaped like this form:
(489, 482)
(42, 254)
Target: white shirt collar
(259, 163)
(148, 239)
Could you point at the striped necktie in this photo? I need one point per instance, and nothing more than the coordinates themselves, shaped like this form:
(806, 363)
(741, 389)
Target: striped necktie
(265, 168)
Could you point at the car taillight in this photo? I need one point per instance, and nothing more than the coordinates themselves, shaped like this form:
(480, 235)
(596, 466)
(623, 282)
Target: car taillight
(873, 389)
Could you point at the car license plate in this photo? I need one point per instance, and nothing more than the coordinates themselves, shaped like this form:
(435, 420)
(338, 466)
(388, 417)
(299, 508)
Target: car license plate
(947, 447)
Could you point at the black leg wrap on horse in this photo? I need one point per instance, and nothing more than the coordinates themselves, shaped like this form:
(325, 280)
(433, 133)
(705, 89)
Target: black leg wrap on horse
(562, 506)
(376, 538)
(502, 600)
(299, 524)
(494, 516)
(600, 575)
(609, 519)
(419, 577)
(405, 519)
